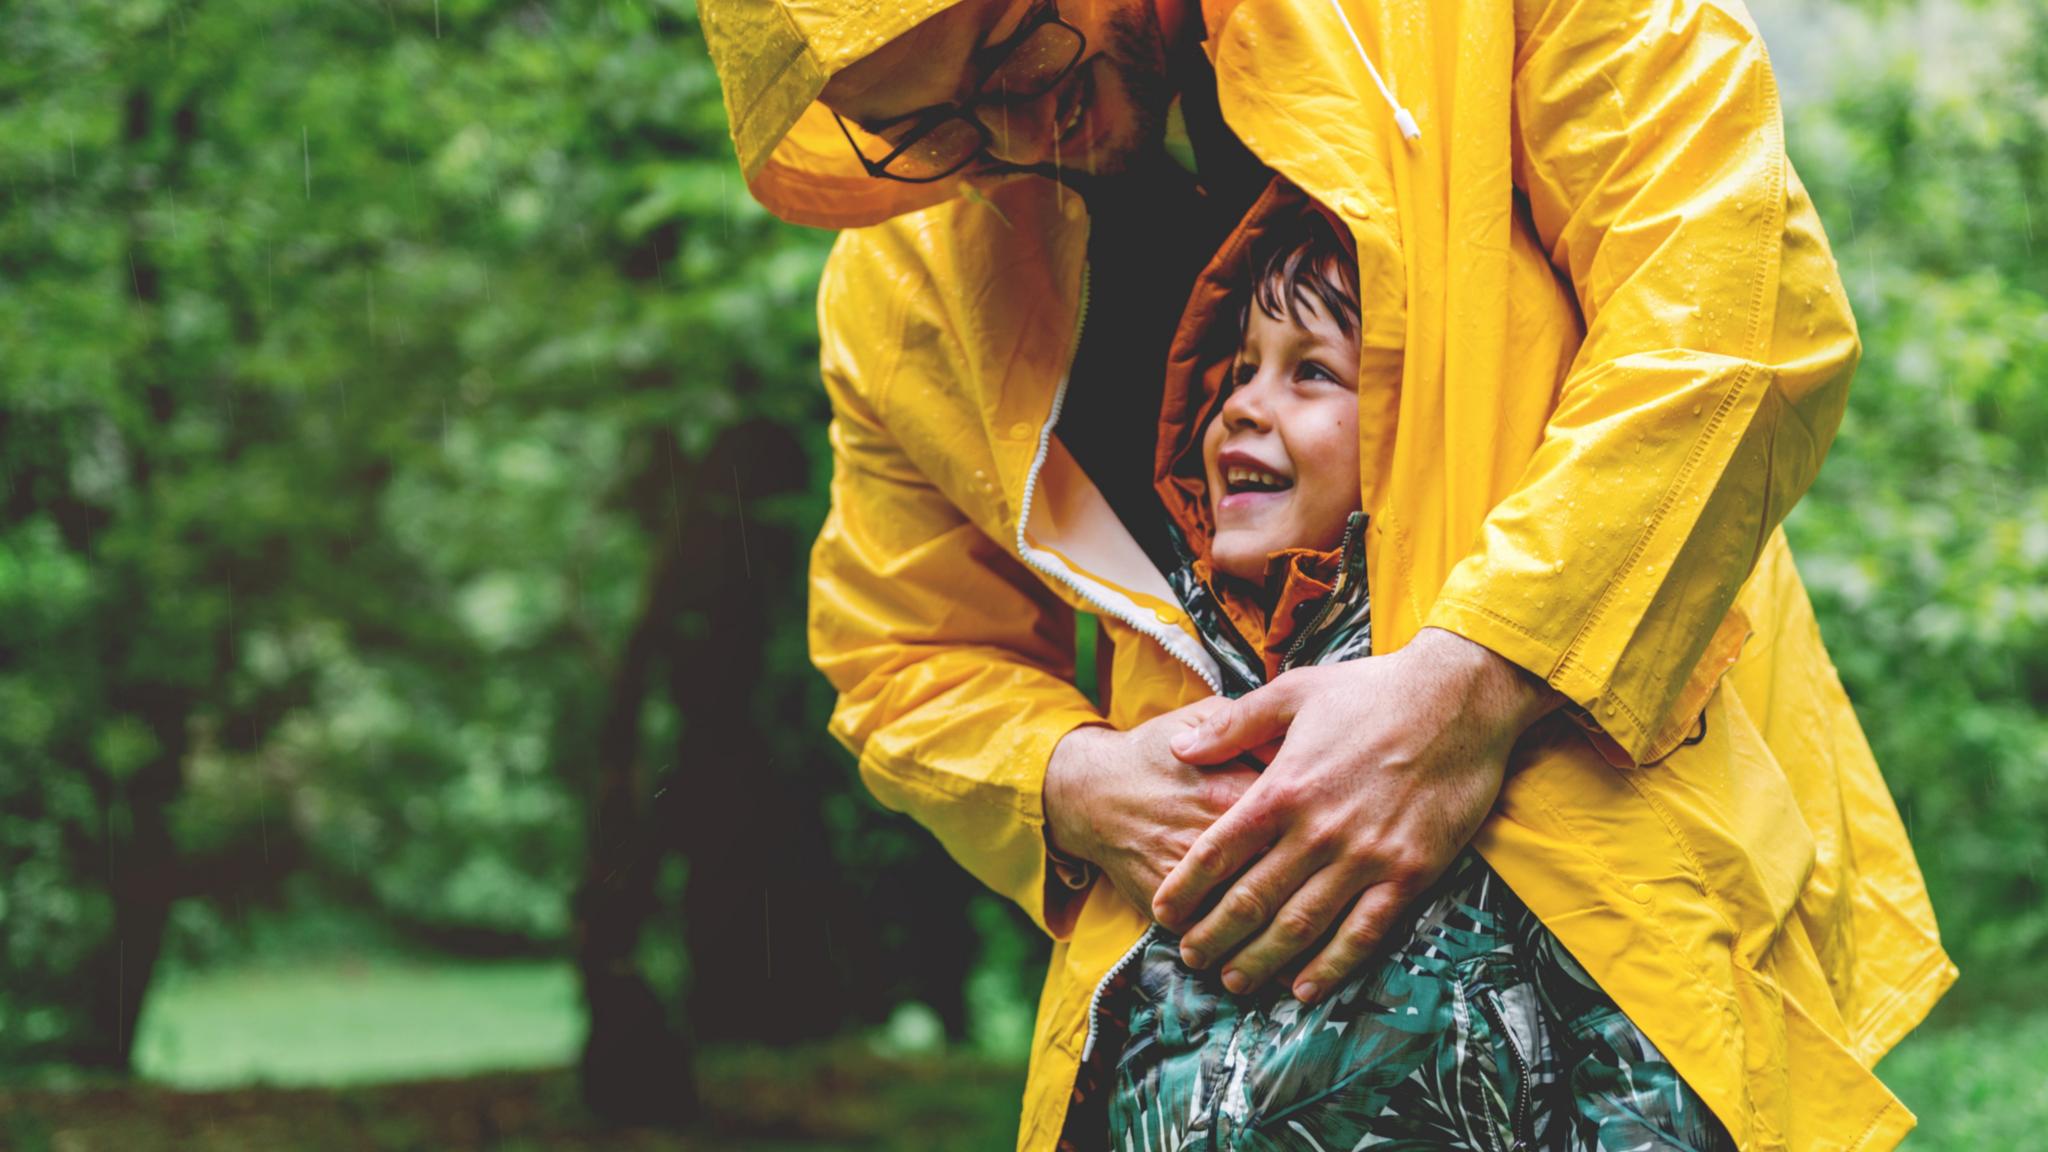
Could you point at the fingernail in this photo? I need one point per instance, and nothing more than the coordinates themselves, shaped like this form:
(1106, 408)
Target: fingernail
(1182, 742)
(1306, 991)
(1236, 982)
(1192, 958)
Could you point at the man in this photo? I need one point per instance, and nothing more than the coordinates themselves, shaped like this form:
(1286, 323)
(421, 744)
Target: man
(1612, 349)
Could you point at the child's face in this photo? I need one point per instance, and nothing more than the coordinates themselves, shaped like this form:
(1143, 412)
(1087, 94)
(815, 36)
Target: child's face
(1281, 455)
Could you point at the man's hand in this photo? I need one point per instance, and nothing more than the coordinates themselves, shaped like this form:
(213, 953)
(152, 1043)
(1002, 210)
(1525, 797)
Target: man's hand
(1125, 803)
(1388, 766)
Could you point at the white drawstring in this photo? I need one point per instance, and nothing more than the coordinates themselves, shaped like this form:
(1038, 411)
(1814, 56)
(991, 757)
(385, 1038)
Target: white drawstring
(1402, 119)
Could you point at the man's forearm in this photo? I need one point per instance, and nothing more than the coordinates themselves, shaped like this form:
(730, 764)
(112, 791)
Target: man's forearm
(1074, 759)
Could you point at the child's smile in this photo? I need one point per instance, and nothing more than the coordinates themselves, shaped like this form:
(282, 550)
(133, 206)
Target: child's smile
(1281, 455)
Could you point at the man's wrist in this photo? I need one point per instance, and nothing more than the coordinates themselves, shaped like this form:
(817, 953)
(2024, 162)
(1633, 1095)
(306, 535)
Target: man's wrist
(1518, 696)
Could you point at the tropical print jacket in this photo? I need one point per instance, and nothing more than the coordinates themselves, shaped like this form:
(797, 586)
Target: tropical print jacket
(1475, 1032)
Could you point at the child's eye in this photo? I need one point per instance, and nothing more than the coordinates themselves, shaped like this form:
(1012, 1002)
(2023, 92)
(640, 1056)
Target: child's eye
(1310, 370)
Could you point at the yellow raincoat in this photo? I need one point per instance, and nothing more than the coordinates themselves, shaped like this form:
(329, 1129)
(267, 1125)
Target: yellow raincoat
(1606, 348)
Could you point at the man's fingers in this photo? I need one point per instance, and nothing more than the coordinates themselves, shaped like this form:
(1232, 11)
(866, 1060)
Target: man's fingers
(1242, 725)
(1216, 855)
(1246, 908)
(1376, 913)
(1292, 931)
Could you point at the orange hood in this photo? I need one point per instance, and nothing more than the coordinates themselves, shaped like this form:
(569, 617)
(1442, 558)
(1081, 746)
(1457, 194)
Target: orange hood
(1205, 345)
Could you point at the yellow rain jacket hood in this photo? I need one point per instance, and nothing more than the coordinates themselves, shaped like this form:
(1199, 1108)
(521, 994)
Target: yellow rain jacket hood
(1624, 349)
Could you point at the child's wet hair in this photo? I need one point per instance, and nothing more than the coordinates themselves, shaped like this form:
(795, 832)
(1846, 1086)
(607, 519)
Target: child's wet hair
(1304, 260)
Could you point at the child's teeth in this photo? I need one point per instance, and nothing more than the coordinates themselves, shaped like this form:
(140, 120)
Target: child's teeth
(1236, 476)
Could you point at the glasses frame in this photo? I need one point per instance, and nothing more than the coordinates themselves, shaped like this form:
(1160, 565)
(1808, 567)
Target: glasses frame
(990, 60)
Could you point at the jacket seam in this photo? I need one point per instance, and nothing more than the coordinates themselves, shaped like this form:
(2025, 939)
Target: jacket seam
(912, 775)
(1510, 624)
(802, 49)
(1870, 1126)
(1774, 129)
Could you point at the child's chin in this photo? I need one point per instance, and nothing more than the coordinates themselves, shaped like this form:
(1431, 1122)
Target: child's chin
(1243, 561)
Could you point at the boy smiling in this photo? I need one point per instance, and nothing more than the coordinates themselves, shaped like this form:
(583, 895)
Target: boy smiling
(1473, 1028)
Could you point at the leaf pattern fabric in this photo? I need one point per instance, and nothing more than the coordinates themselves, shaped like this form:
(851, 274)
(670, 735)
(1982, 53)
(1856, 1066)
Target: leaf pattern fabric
(1474, 1030)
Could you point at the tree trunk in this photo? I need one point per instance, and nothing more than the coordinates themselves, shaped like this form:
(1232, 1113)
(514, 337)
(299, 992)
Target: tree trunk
(635, 1067)
(142, 864)
(142, 883)
(762, 888)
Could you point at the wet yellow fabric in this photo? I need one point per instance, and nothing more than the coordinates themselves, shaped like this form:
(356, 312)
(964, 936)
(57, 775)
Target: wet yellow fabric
(1623, 350)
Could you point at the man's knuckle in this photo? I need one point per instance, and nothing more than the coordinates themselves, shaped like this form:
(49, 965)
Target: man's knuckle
(1219, 791)
(1280, 798)
(1296, 927)
(1328, 836)
(1402, 861)
(1208, 857)
(1245, 904)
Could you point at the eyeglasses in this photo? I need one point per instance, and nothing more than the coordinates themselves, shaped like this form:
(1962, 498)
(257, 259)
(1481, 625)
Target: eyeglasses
(944, 138)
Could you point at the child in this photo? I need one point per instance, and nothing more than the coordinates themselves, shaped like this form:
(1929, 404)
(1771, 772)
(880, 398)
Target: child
(1476, 1030)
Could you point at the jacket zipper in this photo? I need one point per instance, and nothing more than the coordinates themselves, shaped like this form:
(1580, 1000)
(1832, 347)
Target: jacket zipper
(1142, 627)
(1507, 1039)
(1095, 998)
(1157, 632)
(1330, 601)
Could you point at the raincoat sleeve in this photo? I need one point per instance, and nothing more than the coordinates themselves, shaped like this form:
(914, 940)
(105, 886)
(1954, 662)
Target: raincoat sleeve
(1716, 362)
(954, 665)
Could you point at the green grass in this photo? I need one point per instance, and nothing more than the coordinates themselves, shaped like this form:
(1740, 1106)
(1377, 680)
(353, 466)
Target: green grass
(338, 1024)
(1979, 1081)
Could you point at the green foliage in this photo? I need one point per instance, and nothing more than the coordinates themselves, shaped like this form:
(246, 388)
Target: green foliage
(339, 342)
(1974, 1085)
(1924, 139)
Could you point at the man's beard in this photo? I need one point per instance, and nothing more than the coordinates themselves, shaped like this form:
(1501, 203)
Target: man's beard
(1137, 56)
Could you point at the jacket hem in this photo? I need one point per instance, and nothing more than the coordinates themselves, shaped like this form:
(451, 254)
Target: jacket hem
(1888, 1129)
(1904, 1009)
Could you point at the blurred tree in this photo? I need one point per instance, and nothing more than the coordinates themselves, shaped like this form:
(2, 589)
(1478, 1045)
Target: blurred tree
(1922, 131)
(361, 359)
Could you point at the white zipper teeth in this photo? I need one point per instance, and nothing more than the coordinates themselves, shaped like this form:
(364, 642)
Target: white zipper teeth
(1095, 1000)
(1156, 632)
(1030, 556)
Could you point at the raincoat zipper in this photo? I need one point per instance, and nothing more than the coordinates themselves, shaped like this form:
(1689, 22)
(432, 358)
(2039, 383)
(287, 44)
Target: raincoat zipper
(1095, 998)
(1142, 627)
(1157, 632)
(1336, 593)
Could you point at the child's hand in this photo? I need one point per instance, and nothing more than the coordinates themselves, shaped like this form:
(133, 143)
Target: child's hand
(1387, 768)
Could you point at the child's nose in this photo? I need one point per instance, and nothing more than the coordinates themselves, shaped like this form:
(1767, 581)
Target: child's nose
(1246, 406)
